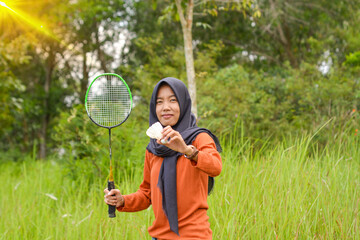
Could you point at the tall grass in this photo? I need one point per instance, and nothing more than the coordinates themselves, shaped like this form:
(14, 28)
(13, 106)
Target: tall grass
(289, 190)
(37, 202)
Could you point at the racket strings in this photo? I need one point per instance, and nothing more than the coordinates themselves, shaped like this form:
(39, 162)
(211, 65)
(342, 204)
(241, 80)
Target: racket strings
(108, 101)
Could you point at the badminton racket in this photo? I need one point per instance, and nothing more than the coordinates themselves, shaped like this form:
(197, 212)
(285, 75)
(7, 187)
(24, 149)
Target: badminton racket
(108, 103)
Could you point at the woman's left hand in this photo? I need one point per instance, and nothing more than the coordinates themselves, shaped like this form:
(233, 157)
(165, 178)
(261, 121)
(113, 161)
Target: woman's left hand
(175, 141)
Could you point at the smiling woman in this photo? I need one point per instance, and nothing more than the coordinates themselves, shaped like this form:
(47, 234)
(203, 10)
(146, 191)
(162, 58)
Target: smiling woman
(177, 173)
(167, 106)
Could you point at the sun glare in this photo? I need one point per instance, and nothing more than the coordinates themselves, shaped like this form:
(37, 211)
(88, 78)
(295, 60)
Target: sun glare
(24, 17)
(15, 15)
(6, 6)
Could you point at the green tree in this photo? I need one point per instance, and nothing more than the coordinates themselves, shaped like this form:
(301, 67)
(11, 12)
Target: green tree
(12, 54)
(94, 27)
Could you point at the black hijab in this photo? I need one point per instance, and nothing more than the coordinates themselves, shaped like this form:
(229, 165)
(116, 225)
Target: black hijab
(188, 129)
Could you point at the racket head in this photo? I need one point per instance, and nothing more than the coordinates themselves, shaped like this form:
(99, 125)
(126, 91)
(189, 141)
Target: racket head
(108, 100)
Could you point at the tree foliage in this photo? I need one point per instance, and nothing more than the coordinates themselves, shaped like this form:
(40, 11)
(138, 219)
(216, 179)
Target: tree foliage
(13, 53)
(279, 67)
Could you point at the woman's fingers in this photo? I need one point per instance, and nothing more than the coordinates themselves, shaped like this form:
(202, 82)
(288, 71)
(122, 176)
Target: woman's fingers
(112, 197)
(110, 200)
(165, 132)
(168, 132)
(114, 192)
(174, 140)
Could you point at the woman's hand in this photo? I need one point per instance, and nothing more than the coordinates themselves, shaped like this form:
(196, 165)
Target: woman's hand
(116, 200)
(175, 141)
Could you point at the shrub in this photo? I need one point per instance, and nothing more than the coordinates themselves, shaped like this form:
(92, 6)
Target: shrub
(83, 147)
(278, 103)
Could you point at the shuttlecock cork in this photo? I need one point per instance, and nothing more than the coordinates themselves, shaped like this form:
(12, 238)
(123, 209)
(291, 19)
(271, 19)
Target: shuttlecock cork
(155, 131)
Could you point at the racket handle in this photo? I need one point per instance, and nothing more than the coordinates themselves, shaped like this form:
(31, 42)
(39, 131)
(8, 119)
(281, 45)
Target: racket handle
(112, 209)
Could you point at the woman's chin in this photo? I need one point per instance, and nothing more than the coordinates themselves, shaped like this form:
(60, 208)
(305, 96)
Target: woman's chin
(167, 122)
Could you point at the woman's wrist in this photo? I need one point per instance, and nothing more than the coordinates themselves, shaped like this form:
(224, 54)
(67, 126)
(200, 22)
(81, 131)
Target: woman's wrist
(189, 150)
(121, 202)
(193, 153)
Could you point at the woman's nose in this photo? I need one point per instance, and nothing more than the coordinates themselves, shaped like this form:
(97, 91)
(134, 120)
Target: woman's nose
(166, 106)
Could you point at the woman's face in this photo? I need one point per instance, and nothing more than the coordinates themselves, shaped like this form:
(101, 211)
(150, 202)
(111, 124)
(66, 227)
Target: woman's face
(167, 106)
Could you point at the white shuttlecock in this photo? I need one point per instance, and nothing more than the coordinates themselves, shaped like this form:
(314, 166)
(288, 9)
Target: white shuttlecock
(155, 131)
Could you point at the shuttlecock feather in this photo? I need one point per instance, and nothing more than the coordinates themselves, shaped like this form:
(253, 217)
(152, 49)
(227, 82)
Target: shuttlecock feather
(155, 131)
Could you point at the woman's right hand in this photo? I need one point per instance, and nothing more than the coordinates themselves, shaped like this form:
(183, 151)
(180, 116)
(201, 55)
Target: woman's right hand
(116, 200)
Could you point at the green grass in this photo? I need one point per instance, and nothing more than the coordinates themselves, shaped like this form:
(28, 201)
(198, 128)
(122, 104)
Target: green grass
(289, 190)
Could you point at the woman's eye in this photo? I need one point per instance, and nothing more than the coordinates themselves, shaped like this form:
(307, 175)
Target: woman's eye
(158, 102)
(173, 100)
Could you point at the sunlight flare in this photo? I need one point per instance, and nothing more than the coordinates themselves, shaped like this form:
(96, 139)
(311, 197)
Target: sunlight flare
(6, 6)
(29, 20)
(34, 23)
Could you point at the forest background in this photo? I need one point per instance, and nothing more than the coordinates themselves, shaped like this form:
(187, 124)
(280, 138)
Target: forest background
(266, 72)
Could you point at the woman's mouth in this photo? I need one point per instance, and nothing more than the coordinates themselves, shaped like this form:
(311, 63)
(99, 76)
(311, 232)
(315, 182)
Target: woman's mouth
(167, 116)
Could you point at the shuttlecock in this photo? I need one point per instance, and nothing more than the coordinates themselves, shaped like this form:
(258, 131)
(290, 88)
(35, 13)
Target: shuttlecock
(155, 131)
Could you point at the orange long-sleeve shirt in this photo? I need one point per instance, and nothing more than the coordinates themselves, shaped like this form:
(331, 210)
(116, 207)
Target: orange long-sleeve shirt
(192, 189)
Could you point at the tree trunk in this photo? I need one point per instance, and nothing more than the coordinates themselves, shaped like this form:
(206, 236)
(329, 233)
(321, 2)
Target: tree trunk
(289, 51)
(186, 24)
(85, 78)
(50, 63)
(100, 51)
(284, 39)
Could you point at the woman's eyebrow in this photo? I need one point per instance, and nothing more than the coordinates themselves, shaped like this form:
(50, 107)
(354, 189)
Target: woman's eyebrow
(168, 97)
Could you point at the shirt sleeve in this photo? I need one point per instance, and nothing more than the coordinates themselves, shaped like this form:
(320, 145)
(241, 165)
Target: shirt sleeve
(209, 159)
(141, 199)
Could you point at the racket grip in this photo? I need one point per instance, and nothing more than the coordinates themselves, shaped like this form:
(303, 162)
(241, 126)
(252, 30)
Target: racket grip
(112, 209)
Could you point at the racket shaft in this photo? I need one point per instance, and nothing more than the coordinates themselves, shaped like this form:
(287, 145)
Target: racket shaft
(112, 209)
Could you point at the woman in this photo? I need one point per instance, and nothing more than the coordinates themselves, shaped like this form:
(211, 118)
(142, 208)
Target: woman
(176, 173)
